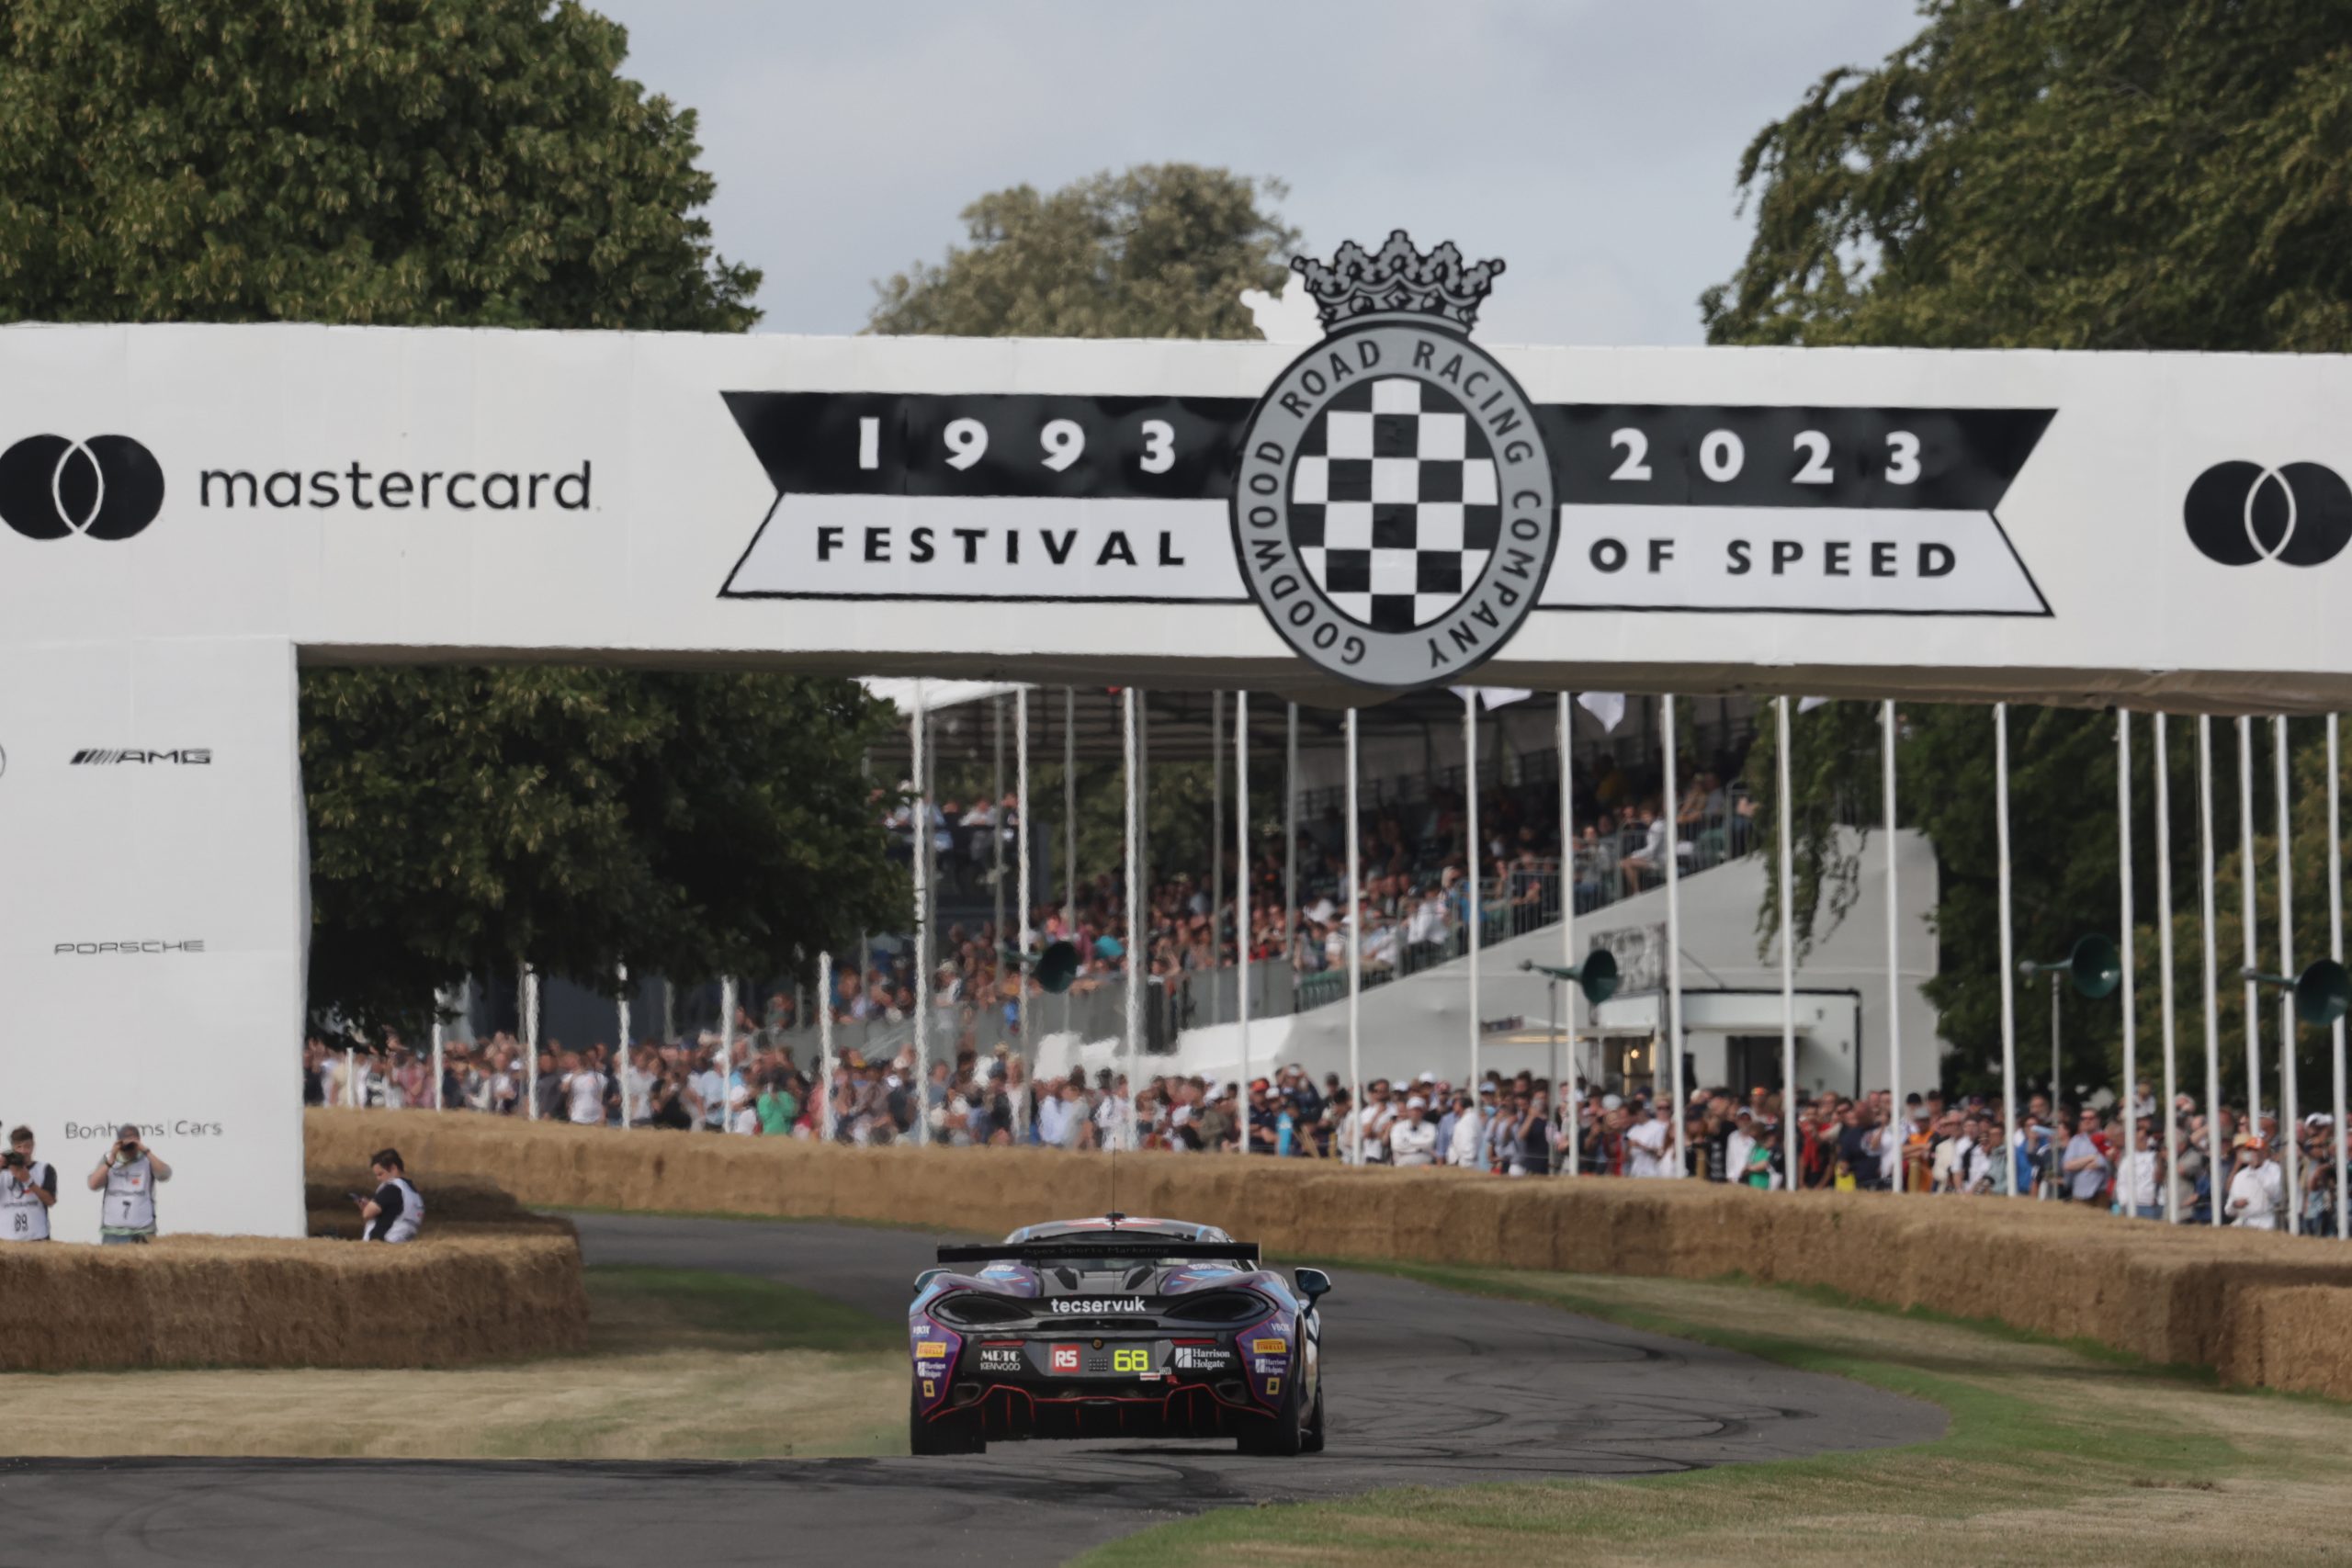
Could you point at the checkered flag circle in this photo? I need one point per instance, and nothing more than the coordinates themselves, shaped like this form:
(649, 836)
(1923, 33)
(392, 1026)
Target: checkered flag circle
(1393, 504)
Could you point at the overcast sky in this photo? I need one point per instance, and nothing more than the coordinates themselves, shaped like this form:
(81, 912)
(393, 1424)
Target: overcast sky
(1591, 144)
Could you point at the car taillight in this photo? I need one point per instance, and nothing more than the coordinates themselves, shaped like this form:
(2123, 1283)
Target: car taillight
(1218, 1306)
(972, 1308)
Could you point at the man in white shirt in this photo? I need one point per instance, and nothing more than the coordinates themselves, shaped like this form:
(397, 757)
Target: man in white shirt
(2138, 1177)
(709, 1091)
(2255, 1195)
(1412, 1143)
(583, 1090)
(1740, 1145)
(1373, 1122)
(1469, 1129)
(1649, 1143)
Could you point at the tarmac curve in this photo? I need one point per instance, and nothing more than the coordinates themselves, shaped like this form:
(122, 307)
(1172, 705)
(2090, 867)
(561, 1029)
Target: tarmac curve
(1425, 1387)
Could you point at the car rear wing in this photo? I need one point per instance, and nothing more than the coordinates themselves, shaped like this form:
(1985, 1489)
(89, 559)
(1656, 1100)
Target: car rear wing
(1101, 1244)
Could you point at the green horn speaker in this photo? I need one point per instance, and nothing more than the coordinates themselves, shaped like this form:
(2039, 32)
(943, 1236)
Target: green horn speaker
(1596, 977)
(2322, 992)
(1052, 969)
(2094, 965)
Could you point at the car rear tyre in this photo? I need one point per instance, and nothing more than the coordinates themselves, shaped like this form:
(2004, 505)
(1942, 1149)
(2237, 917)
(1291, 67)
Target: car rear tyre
(1281, 1437)
(1313, 1442)
(949, 1435)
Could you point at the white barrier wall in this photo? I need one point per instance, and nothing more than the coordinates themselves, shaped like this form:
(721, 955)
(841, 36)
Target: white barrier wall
(153, 923)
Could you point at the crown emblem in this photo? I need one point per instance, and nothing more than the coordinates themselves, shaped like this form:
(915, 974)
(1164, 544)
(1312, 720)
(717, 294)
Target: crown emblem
(1397, 280)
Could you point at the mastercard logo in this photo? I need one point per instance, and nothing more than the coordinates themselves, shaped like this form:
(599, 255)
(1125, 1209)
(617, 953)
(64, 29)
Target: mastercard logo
(2240, 514)
(103, 487)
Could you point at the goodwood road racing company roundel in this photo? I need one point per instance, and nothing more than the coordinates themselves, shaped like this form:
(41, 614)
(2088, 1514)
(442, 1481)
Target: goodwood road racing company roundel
(1393, 506)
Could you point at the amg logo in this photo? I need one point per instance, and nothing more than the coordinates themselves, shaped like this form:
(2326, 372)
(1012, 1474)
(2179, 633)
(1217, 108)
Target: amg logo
(186, 757)
(1098, 1303)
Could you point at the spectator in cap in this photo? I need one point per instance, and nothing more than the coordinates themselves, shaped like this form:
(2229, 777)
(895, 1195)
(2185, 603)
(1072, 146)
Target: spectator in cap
(2253, 1192)
(1412, 1142)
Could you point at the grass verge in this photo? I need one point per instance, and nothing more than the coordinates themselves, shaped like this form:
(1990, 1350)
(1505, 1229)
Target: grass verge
(681, 1364)
(2056, 1453)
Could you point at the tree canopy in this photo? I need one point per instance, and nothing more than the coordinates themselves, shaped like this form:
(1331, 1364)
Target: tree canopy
(1160, 250)
(2064, 173)
(456, 163)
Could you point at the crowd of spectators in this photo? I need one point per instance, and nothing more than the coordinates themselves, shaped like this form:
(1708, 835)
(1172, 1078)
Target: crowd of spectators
(1508, 1126)
(1415, 866)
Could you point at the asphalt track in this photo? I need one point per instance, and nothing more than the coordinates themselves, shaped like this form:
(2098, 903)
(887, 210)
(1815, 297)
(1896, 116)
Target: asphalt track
(1425, 1387)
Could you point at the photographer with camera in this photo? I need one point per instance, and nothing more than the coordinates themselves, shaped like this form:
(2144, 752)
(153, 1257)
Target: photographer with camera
(397, 1209)
(27, 1187)
(127, 1176)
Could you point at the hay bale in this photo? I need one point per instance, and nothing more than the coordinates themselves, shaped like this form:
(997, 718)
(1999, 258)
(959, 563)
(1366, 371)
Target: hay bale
(201, 1301)
(2257, 1305)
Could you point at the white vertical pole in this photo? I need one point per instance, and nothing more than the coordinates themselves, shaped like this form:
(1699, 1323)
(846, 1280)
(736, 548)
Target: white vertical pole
(727, 1003)
(2123, 865)
(1568, 991)
(1893, 923)
(2163, 957)
(1070, 807)
(996, 825)
(2246, 918)
(1241, 894)
(920, 1091)
(2217, 1163)
(1355, 959)
(831, 1118)
(1069, 833)
(1290, 835)
(351, 1091)
(1139, 965)
(2336, 950)
(1473, 904)
(1217, 817)
(2289, 1101)
(1674, 944)
(620, 1003)
(1021, 879)
(2013, 1134)
(1788, 946)
(439, 1031)
(531, 1041)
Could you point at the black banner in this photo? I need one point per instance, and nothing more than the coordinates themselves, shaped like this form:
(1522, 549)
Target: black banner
(1049, 445)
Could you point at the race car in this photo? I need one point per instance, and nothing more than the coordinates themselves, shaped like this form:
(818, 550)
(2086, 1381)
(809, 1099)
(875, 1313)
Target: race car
(1114, 1327)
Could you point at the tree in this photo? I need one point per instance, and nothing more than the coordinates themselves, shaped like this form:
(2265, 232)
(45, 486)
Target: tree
(462, 163)
(1160, 250)
(2098, 173)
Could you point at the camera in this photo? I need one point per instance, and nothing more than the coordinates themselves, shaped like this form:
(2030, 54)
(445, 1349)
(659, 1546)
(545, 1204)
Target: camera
(14, 1160)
